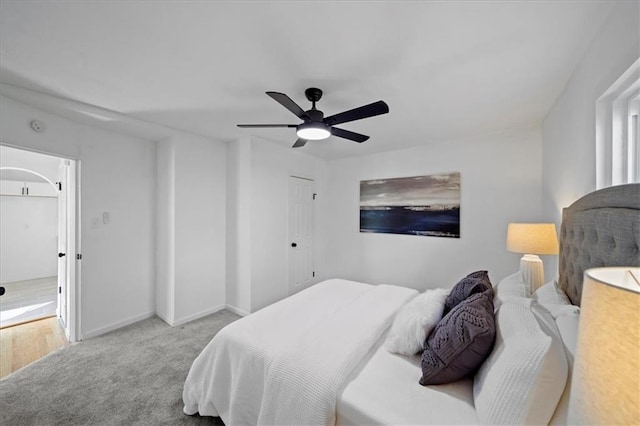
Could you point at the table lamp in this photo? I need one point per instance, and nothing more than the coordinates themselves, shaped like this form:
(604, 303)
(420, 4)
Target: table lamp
(605, 386)
(532, 239)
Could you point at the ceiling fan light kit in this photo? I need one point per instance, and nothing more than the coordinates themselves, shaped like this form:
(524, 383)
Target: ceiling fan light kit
(313, 131)
(315, 126)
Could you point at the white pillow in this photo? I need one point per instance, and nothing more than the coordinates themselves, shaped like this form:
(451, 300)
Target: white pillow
(523, 379)
(551, 293)
(510, 287)
(568, 327)
(552, 298)
(414, 322)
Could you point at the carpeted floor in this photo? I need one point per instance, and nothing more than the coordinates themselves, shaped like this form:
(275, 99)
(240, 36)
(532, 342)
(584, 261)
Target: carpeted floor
(132, 376)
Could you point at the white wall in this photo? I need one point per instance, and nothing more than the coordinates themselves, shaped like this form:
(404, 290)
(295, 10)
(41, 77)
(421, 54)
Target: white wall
(271, 167)
(569, 147)
(238, 287)
(191, 230)
(259, 174)
(28, 225)
(500, 183)
(117, 176)
(165, 235)
(28, 238)
(191, 233)
(200, 226)
(46, 165)
(569, 142)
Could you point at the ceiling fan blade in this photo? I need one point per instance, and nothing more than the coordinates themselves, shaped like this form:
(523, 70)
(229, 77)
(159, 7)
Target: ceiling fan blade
(299, 143)
(359, 113)
(250, 126)
(346, 134)
(286, 102)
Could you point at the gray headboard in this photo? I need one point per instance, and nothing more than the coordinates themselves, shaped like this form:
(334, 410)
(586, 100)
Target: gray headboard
(600, 229)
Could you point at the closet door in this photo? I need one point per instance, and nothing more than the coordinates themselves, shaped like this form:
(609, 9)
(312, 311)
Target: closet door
(301, 233)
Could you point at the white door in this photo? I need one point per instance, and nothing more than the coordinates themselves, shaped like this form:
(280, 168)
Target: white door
(301, 199)
(73, 256)
(69, 249)
(63, 178)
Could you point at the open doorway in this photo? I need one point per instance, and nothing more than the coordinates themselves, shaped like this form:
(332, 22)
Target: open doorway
(37, 239)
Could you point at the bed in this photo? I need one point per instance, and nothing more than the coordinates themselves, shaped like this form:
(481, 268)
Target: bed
(318, 357)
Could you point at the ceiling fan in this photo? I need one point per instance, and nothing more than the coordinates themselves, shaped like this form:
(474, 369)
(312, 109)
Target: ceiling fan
(315, 125)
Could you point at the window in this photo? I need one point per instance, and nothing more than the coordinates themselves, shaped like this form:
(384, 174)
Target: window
(617, 131)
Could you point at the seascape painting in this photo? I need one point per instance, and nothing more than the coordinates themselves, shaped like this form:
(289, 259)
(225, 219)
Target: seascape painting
(419, 205)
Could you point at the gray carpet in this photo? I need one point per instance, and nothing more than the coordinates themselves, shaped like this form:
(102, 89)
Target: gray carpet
(132, 376)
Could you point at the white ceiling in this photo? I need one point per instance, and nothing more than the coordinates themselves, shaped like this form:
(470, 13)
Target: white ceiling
(447, 70)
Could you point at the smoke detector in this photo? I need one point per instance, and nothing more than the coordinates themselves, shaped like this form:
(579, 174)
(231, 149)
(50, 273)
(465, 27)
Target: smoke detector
(37, 126)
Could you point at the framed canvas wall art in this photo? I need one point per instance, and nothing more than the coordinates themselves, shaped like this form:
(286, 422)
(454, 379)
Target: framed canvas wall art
(419, 205)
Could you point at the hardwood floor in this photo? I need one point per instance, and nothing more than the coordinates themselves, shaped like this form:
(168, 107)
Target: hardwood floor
(23, 344)
(28, 300)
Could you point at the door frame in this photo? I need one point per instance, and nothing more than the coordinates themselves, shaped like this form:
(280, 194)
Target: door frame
(72, 328)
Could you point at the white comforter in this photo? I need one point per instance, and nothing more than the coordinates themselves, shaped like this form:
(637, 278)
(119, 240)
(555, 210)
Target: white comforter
(286, 363)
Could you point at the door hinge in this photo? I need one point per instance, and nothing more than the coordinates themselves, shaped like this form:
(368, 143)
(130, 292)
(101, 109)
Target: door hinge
(59, 186)
(59, 290)
(314, 195)
(313, 274)
(78, 256)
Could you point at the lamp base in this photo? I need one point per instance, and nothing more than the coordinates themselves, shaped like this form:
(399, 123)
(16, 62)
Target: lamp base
(532, 272)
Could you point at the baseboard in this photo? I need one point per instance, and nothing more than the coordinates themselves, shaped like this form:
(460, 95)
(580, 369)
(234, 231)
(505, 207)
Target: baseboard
(116, 325)
(178, 322)
(195, 316)
(162, 317)
(236, 311)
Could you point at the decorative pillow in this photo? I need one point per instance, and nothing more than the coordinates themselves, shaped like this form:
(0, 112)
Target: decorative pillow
(475, 282)
(414, 322)
(460, 342)
(525, 375)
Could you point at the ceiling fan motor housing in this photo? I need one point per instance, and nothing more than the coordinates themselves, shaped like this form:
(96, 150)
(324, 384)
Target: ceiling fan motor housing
(315, 115)
(313, 94)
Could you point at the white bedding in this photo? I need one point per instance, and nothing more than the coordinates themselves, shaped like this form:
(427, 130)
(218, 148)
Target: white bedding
(386, 392)
(286, 363)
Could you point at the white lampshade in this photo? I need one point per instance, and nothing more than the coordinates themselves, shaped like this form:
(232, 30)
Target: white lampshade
(606, 375)
(532, 239)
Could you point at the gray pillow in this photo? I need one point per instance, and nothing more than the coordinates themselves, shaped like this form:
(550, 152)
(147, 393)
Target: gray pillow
(475, 282)
(460, 343)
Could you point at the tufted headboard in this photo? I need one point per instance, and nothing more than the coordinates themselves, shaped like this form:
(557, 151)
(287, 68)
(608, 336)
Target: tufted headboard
(600, 229)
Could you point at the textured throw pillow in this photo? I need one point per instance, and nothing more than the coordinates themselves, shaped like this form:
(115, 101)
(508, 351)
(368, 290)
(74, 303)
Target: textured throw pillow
(460, 342)
(475, 282)
(525, 375)
(414, 322)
